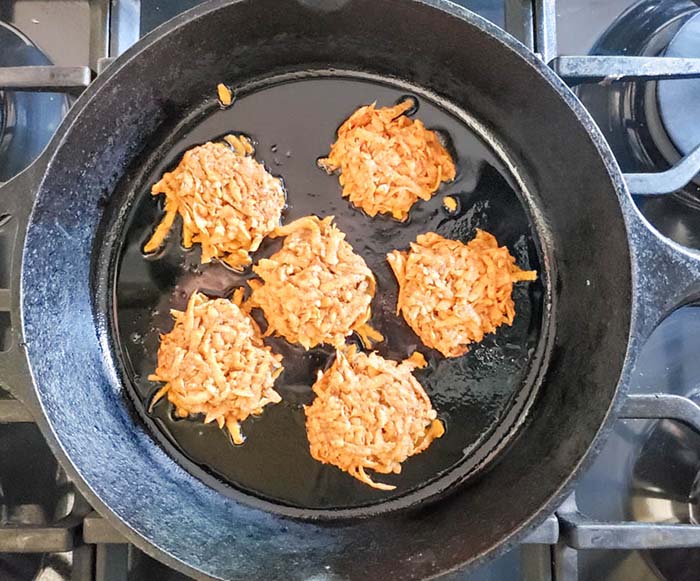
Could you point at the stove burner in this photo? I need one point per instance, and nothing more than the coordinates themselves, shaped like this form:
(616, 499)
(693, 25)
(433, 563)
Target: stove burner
(34, 492)
(648, 134)
(678, 100)
(646, 471)
(27, 120)
(665, 489)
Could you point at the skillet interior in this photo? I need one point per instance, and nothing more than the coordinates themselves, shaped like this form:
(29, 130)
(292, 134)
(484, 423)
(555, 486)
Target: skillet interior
(292, 121)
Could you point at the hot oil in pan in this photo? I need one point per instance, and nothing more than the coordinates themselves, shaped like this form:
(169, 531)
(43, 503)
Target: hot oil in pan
(292, 125)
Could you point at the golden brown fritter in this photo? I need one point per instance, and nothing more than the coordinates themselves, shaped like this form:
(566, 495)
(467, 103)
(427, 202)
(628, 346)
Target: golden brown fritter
(387, 160)
(227, 200)
(214, 362)
(452, 294)
(315, 289)
(370, 413)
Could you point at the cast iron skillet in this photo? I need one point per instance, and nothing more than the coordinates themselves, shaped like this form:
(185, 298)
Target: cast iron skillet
(532, 166)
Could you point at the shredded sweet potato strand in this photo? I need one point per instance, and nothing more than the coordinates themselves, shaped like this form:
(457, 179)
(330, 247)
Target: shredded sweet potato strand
(370, 413)
(449, 203)
(214, 362)
(315, 289)
(452, 294)
(225, 95)
(227, 200)
(387, 160)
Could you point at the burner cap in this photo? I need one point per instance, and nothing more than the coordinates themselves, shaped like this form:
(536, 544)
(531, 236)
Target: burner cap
(679, 100)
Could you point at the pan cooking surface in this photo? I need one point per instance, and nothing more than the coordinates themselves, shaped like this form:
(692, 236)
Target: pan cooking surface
(292, 124)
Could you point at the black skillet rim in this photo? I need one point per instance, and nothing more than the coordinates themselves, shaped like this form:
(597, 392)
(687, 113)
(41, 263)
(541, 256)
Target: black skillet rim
(571, 102)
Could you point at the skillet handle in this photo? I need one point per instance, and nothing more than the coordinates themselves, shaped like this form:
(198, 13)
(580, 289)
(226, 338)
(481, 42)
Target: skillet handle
(16, 200)
(667, 274)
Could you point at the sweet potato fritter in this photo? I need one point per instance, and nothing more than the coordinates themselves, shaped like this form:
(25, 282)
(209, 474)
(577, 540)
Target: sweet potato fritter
(452, 294)
(370, 412)
(214, 362)
(315, 289)
(227, 200)
(387, 160)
